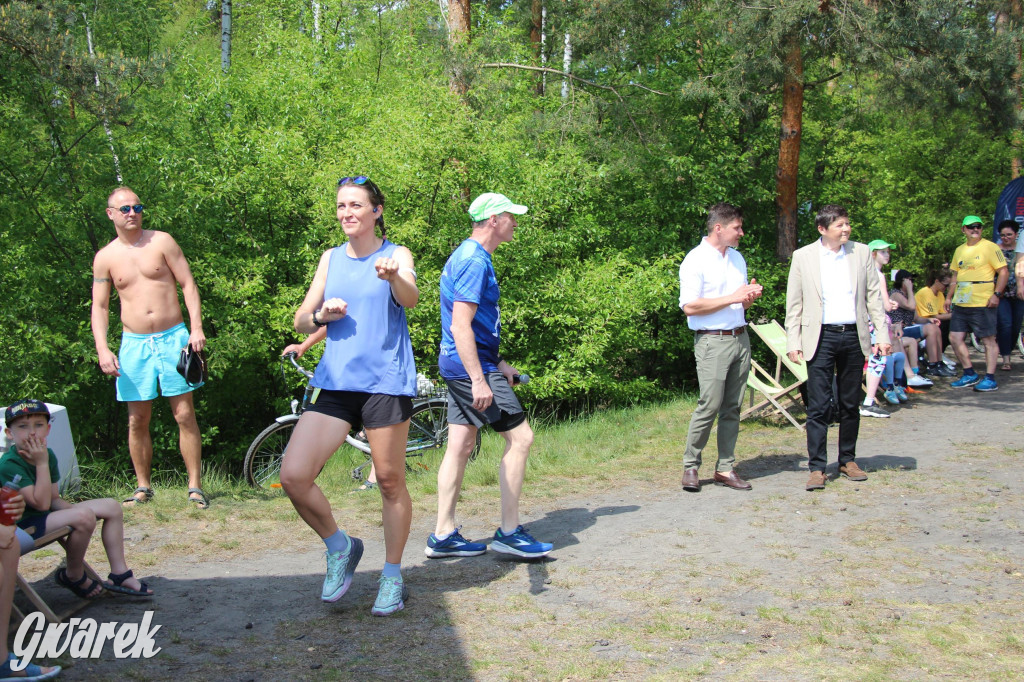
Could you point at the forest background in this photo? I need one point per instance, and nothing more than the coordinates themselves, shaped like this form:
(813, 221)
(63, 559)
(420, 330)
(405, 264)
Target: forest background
(618, 122)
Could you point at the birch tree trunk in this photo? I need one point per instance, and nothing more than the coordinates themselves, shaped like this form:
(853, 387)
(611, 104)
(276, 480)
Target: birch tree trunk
(316, 20)
(566, 64)
(225, 35)
(106, 123)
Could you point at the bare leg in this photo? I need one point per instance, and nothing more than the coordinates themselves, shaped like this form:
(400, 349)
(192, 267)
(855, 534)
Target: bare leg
(956, 339)
(511, 473)
(109, 511)
(387, 447)
(910, 350)
(316, 437)
(461, 441)
(932, 341)
(82, 520)
(872, 380)
(140, 444)
(991, 353)
(189, 440)
(9, 555)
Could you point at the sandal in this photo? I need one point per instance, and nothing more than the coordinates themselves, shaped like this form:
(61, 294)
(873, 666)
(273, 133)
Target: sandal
(117, 586)
(31, 672)
(369, 485)
(201, 502)
(79, 587)
(147, 495)
(1005, 367)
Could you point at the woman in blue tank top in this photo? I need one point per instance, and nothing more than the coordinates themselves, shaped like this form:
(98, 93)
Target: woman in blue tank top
(366, 379)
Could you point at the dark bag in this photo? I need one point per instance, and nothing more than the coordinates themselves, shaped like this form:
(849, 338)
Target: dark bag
(192, 366)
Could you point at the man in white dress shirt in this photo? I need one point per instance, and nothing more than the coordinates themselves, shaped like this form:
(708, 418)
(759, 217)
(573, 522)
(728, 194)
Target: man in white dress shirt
(714, 293)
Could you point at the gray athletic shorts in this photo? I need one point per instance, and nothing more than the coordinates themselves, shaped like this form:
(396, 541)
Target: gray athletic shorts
(981, 321)
(504, 414)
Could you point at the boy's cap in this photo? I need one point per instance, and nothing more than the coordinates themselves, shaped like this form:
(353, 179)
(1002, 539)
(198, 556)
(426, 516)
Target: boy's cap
(879, 244)
(971, 220)
(23, 408)
(488, 204)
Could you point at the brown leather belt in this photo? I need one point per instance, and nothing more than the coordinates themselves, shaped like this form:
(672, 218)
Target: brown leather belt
(722, 332)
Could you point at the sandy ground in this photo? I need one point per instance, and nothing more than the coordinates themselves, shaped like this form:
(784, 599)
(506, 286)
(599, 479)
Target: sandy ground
(647, 582)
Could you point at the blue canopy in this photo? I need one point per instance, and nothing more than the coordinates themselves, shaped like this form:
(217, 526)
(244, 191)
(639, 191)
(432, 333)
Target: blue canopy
(1010, 206)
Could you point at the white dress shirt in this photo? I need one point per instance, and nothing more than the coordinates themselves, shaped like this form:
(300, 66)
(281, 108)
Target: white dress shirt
(837, 304)
(706, 273)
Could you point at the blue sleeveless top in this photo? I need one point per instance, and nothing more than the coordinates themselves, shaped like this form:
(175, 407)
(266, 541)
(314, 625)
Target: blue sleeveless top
(368, 350)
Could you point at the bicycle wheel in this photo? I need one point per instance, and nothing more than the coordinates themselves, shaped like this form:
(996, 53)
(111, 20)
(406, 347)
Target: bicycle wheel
(976, 343)
(1020, 344)
(263, 460)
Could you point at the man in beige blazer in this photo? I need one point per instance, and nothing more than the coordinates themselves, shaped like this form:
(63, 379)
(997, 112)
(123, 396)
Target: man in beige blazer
(833, 290)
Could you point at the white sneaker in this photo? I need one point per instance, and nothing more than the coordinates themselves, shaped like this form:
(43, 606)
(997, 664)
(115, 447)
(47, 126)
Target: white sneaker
(918, 381)
(948, 363)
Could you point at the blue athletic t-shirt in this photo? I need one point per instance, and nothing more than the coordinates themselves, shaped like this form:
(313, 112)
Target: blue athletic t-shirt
(368, 350)
(468, 276)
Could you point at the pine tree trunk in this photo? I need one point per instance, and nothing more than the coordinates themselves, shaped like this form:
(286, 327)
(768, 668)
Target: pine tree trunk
(789, 149)
(458, 34)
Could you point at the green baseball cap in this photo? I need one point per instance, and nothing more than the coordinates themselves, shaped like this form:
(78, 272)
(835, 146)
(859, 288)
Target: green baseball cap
(488, 204)
(971, 220)
(879, 244)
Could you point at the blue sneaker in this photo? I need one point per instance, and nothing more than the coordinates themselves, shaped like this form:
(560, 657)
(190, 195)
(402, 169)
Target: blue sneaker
(341, 566)
(986, 384)
(453, 545)
(891, 397)
(966, 381)
(901, 393)
(520, 543)
(390, 597)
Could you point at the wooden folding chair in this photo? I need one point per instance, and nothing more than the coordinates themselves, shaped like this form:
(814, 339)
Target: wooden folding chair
(770, 385)
(58, 535)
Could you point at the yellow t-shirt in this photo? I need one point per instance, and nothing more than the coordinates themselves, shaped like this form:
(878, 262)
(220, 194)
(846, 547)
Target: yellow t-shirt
(929, 304)
(975, 268)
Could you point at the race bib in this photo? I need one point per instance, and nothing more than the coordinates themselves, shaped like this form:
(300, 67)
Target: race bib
(962, 294)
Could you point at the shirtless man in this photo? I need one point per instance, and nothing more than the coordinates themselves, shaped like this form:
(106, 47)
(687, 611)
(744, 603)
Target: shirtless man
(146, 267)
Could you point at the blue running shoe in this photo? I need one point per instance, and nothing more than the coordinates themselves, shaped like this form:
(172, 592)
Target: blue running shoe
(453, 545)
(901, 393)
(966, 381)
(891, 397)
(986, 385)
(390, 597)
(520, 543)
(341, 566)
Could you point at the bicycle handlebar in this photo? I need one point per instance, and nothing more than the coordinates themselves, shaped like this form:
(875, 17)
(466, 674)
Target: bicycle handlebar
(293, 356)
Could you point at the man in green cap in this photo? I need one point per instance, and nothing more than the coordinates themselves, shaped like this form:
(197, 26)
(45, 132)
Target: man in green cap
(480, 385)
(979, 279)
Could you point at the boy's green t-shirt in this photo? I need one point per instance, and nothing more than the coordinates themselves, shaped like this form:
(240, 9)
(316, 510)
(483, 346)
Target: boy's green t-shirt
(12, 463)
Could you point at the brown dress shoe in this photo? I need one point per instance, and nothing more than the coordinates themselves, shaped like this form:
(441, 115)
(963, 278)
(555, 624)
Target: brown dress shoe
(853, 472)
(691, 482)
(816, 481)
(731, 480)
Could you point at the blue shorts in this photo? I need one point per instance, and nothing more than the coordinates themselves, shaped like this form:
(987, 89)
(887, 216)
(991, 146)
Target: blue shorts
(148, 358)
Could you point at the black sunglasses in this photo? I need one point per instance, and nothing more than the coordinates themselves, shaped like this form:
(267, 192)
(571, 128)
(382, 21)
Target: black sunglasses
(975, 226)
(128, 209)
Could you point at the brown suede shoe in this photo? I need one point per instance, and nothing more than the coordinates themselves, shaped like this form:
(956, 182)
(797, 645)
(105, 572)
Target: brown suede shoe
(731, 480)
(853, 472)
(691, 482)
(816, 481)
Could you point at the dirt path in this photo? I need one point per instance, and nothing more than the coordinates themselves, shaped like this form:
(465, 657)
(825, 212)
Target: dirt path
(914, 574)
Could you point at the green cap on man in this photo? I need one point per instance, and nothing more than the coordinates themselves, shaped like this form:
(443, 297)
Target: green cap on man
(972, 220)
(488, 204)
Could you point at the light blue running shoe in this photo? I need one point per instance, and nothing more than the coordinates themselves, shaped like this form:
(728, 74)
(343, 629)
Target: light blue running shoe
(966, 381)
(341, 566)
(520, 543)
(390, 597)
(901, 393)
(453, 545)
(891, 397)
(986, 385)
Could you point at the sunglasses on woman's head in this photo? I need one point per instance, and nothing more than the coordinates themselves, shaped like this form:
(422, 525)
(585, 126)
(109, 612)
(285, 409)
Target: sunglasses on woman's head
(357, 180)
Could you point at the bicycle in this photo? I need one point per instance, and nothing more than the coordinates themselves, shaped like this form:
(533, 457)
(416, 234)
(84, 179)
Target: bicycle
(980, 347)
(428, 430)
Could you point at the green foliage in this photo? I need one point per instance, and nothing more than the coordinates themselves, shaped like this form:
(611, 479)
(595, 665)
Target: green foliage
(241, 167)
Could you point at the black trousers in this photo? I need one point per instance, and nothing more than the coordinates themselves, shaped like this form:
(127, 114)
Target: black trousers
(838, 354)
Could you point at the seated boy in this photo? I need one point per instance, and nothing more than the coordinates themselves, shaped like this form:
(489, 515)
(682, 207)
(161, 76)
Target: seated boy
(28, 425)
(9, 554)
